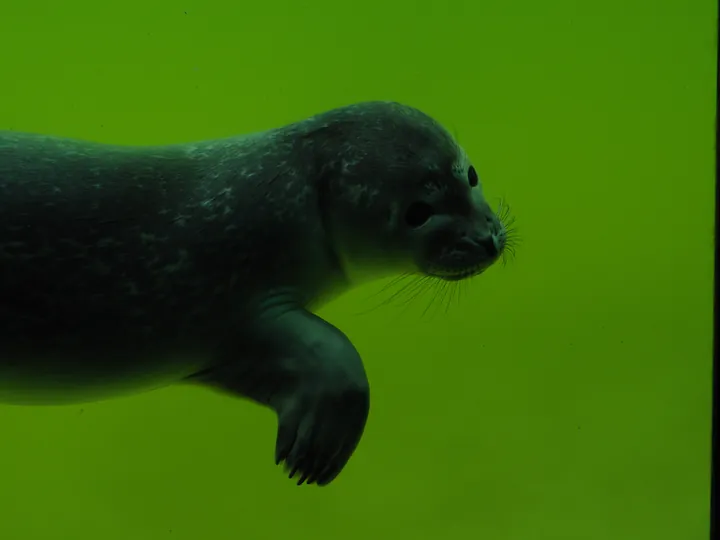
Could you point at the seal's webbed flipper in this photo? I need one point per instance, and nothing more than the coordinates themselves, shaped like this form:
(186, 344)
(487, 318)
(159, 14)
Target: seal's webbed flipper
(312, 376)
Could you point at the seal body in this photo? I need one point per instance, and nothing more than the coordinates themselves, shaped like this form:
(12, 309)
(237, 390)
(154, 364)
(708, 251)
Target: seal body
(125, 269)
(121, 267)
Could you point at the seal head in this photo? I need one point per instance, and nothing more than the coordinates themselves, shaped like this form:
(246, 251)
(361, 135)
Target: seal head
(401, 196)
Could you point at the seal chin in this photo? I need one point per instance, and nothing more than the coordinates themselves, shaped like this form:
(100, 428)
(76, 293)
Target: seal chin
(463, 259)
(457, 274)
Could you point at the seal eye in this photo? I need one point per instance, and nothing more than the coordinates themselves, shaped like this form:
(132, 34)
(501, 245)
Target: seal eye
(473, 177)
(418, 213)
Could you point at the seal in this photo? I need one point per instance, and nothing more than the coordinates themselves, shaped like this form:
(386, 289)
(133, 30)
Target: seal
(124, 269)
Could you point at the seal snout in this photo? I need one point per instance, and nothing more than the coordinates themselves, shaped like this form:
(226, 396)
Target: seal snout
(486, 247)
(482, 249)
(484, 239)
(491, 245)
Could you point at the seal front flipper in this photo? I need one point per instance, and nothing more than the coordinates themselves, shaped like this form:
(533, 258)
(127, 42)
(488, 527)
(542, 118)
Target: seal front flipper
(312, 376)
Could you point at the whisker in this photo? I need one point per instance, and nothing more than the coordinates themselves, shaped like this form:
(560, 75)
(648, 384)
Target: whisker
(407, 288)
(442, 295)
(512, 239)
(394, 281)
(435, 285)
(390, 299)
(414, 291)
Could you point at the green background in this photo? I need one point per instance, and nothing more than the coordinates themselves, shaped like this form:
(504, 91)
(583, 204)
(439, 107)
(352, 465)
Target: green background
(565, 396)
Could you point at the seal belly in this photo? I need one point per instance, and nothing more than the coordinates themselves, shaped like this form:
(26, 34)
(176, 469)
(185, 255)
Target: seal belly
(84, 375)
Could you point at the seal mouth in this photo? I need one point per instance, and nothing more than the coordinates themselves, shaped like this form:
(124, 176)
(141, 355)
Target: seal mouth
(465, 258)
(457, 274)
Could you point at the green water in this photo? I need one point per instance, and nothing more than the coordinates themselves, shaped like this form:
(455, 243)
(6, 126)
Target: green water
(565, 396)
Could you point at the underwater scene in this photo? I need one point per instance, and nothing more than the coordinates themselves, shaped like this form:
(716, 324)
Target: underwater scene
(435, 270)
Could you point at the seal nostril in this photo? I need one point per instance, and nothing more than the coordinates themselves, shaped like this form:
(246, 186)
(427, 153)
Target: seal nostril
(489, 245)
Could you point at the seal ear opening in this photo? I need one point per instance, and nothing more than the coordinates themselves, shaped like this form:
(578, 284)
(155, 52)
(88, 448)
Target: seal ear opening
(418, 213)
